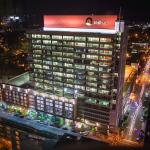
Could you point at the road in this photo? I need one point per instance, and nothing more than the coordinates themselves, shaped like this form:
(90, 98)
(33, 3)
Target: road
(135, 105)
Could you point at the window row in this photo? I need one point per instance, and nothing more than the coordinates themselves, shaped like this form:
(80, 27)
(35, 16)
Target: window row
(76, 38)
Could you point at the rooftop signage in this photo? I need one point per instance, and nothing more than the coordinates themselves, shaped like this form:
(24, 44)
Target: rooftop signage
(81, 22)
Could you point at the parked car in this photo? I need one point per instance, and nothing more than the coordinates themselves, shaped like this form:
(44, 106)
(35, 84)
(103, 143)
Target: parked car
(85, 133)
(73, 130)
(64, 128)
(21, 116)
(16, 114)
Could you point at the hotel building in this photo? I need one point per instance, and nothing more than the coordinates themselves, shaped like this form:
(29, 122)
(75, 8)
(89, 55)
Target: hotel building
(77, 68)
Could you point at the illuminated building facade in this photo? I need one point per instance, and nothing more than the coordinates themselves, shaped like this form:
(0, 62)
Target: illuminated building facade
(77, 69)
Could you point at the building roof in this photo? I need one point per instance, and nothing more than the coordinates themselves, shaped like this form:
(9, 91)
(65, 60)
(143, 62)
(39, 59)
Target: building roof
(19, 80)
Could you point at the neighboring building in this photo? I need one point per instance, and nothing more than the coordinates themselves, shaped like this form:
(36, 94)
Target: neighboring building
(77, 70)
(23, 140)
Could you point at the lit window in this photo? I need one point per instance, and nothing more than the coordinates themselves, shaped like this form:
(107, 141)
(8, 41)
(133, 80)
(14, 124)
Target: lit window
(46, 42)
(93, 39)
(45, 36)
(59, 37)
(68, 38)
(78, 38)
(92, 57)
(94, 45)
(94, 51)
(105, 39)
(106, 46)
(36, 41)
(36, 36)
(80, 44)
(56, 42)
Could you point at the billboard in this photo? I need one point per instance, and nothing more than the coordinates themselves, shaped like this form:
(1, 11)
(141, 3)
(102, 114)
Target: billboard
(80, 21)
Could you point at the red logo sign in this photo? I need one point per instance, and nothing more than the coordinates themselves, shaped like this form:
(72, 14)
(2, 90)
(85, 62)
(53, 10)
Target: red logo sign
(84, 21)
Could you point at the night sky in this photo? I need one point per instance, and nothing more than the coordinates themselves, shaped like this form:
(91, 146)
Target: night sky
(133, 10)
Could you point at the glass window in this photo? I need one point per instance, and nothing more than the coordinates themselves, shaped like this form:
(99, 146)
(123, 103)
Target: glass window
(103, 92)
(47, 62)
(69, 70)
(69, 60)
(93, 51)
(105, 52)
(45, 67)
(104, 103)
(68, 49)
(107, 58)
(91, 89)
(104, 64)
(36, 36)
(57, 42)
(45, 36)
(93, 45)
(68, 38)
(100, 69)
(91, 84)
(91, 79)
(80, 66)
(57, 53)
(92, 57)
(93, 39)
(36, 46)
(68, 43)
(68, 75)
(105, 39)
(79, 38)
(59, 37)
(80, 44)
(36, 41)
(37, 51)
(58, 74)
(68, 54)
(37, 66)
(79, 87)
(90, 73)
(94, 63)
(91, 68)
(106, 46)
(46, 47)
(46, 41)
(68, 65)
(105, 81)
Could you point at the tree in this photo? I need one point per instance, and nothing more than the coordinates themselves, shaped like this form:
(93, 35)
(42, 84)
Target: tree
(82, 129)
(93, 130)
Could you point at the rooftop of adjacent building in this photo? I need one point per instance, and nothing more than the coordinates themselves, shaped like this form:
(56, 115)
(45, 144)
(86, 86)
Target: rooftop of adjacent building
(19, 80)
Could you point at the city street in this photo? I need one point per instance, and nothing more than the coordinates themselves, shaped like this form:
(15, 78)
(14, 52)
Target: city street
(135, 106)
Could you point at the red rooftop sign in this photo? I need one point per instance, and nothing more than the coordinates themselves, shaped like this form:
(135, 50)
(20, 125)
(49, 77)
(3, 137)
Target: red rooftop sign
(84, 21)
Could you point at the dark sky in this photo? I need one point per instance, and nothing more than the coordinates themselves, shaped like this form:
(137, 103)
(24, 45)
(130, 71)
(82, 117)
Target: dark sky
(131, 9)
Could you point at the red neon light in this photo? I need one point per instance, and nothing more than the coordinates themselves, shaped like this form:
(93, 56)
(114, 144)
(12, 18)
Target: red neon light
(72, 21)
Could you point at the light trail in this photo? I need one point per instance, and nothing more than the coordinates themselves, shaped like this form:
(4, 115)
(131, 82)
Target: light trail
(134, 115)
(134, 120)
